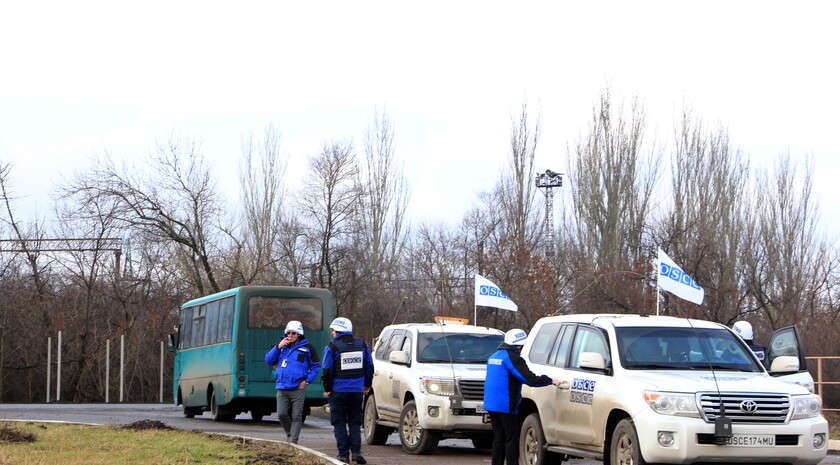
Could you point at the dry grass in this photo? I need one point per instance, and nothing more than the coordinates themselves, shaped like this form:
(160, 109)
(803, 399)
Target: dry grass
(141, 443)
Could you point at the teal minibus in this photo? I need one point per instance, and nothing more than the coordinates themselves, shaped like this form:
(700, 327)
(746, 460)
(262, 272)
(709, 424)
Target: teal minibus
(221, 344)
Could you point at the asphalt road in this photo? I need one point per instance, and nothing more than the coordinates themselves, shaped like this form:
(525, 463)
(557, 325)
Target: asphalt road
(316, 434)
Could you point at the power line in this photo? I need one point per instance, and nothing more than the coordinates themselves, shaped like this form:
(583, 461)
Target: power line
(35, 246)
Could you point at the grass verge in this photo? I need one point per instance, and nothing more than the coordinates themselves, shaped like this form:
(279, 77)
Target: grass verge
(140, 443)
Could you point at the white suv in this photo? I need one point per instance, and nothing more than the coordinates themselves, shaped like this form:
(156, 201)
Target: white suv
(428, 383)
(640, 389)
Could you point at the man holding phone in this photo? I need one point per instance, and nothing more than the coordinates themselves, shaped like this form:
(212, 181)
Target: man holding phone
(297, 365)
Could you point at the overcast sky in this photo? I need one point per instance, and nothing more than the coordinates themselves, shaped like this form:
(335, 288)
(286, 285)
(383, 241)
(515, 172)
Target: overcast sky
(82, 78)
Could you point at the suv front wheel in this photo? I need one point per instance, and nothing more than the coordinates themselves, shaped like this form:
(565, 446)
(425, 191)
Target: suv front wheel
(375, 435)
(532, 441)
(624, 446)
(414, 439)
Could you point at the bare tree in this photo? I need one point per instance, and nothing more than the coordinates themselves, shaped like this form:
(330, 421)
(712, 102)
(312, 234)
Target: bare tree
(383, 200)
(790, 266)
(612, 176)
(23, 240)
(90, 276)
(380, 224)
(508, 229)
(710, 218)
(27, 287)
(329, 205)
(295, 254)
(263, 194)
(173, 198)
(516, 191)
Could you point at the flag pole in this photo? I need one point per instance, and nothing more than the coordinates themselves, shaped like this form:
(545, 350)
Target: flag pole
(657, 300)
(657, 283)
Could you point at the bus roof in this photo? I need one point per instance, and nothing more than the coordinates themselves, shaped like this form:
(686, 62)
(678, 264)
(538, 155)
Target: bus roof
(247, 291)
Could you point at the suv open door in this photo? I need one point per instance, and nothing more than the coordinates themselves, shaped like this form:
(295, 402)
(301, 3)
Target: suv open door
(786, 341)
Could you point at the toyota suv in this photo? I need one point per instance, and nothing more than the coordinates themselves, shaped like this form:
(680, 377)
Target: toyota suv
(428, 384)
(639, 389)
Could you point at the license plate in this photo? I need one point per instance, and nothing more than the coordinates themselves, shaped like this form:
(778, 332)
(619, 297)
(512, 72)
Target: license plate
(751, 440)
(479, 408)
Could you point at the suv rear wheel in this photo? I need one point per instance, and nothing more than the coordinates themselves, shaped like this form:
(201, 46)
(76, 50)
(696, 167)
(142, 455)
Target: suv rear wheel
(414, 439)
(624, 445)
(532, 441)
(375, 435)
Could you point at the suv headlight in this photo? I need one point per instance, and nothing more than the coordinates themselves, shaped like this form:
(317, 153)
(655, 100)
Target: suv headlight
(808, 406)
(437, 386)
(672, 403)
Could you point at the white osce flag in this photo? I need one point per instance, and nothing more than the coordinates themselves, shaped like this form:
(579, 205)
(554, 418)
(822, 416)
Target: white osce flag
(488, 294)
(674, 280)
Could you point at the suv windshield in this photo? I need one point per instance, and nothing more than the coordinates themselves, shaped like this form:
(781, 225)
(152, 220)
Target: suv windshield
(457, 348)
(646, 348)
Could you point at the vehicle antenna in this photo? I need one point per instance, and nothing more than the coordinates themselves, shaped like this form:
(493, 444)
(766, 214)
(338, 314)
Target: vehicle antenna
(456, 398)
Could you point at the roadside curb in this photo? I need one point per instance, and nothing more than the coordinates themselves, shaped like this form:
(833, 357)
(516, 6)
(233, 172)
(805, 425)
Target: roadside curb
(834, 445)
(60, 422)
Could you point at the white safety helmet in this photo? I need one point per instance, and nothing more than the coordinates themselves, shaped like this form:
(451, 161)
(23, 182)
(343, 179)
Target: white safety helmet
(294, 326)
(342, 325)
(515, 337)
(744, 329)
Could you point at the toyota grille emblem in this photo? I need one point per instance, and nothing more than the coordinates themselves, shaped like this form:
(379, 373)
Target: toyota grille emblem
(749, 406)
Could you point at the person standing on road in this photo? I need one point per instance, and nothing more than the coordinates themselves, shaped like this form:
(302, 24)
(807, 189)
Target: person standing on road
(347, 376)
(297, 365)
(506, 373)
(745, 330)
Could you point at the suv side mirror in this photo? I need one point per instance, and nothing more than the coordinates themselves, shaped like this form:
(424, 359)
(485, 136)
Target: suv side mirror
(785, 364)
(398, 357)
(591, 361)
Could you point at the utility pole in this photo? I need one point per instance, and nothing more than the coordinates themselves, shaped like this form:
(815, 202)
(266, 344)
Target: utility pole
(547, 182)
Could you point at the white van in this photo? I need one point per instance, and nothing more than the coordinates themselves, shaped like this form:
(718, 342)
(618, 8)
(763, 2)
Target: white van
(645, 389)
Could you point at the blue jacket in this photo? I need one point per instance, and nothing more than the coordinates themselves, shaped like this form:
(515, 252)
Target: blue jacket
(506, 372)
(348, 365)
(294, 364)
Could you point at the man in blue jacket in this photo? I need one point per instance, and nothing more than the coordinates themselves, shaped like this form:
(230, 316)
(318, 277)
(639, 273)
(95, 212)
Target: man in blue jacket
(348, 373)
(296, 362)
(506, 372)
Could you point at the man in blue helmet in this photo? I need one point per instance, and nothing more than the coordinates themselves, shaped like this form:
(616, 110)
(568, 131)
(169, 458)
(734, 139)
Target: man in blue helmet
(506, 373)
(297, 365)
(347, 376)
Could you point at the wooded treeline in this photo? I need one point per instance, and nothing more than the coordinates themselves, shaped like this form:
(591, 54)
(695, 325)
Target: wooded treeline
(750, 235)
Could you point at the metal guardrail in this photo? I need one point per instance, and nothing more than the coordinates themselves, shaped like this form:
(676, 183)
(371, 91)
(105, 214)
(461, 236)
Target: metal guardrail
(819, 383)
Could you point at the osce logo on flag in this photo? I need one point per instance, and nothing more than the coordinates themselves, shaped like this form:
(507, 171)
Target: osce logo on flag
(677, 275)
(492, 292)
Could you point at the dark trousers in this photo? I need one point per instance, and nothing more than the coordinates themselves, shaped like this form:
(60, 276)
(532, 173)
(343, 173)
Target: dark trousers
(505, 438)
(346, 418)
